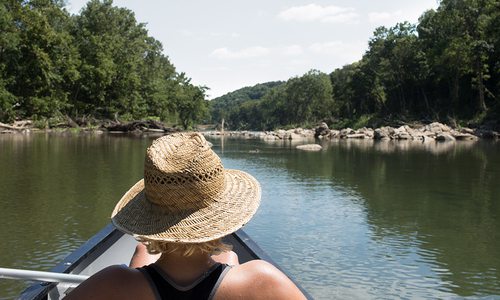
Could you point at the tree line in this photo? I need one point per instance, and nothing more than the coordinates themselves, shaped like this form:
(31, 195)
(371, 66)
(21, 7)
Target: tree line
(100, 63)
(446, 68)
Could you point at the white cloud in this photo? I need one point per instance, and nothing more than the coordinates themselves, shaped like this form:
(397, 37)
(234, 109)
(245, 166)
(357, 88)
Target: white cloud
(314, 12)
(378, 17)
(186, 32)
(293, 50)
(347, 52)
(250, 52)
(225, 35)
(327, 47)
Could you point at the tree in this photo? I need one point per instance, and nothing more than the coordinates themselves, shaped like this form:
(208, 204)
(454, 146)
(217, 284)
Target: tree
(9, 41)
(43, 61)
(190, 105)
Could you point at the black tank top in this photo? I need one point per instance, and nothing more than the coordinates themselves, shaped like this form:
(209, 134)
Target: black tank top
(203, 288)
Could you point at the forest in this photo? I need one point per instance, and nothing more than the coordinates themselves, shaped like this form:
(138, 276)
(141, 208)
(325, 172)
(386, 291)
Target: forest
(445, 68)
(100, 64)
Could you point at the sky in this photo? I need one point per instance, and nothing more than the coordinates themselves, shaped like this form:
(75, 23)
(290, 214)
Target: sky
(229, 44)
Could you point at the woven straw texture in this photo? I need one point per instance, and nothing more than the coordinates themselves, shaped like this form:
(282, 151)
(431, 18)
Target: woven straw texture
(186, 195)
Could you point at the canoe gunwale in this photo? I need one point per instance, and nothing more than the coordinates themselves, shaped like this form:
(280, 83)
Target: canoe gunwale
(75, 261)
(79, 259)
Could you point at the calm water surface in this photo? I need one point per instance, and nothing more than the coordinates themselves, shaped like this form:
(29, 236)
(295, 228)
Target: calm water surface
(358, 220)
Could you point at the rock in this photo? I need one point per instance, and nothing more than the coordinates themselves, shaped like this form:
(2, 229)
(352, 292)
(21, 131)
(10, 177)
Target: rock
(437, 127)
(381, 133)
(334, 134)
(391, 131)
(270, 137)
(402, 136)
(345, 132)
(356, 136)
(310, 147)
(427, 139)
(466, 130)
(400, 129)
(368, 132)
(322, 130)
(444, 137)
(138, 126)
(280, 134)
(465, 137)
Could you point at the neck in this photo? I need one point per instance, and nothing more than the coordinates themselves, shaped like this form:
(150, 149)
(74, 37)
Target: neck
(185, 269)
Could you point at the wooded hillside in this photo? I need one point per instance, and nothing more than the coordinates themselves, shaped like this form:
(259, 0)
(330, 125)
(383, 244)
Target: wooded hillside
(445, 68)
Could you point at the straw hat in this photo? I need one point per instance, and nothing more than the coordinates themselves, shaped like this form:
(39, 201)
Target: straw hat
(186, 195)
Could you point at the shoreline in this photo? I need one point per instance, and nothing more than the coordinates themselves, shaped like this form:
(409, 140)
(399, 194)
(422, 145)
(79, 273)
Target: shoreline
(435, 131)
(424, 133)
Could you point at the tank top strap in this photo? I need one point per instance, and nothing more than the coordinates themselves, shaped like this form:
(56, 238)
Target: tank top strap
(225, 269)
(203, 288)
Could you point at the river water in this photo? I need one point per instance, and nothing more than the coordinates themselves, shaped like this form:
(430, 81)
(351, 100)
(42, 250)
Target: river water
(358, 220)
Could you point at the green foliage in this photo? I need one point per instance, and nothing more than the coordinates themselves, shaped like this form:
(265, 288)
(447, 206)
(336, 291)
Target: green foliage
(190, 103)
(301, 101)
(446, 67)
(101, 63)
(363, 121)
(227, 106)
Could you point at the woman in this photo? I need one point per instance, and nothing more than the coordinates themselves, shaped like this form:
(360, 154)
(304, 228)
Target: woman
(186, 203)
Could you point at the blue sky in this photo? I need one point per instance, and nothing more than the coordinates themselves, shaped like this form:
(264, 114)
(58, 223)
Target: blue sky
(229, 44)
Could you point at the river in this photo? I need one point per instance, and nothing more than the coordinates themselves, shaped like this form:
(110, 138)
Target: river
(358, 220)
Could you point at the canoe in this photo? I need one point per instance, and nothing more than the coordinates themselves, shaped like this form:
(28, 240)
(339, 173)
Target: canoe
(111, 247)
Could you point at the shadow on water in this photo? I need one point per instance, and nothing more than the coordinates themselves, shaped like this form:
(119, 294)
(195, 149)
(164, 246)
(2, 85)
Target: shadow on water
(432, 212)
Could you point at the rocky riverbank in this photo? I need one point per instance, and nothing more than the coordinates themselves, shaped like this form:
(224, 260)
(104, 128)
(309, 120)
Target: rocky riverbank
(96, 126)
(437, 132)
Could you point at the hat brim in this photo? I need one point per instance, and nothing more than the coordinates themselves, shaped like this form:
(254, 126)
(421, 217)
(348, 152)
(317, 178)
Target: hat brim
(232, 209)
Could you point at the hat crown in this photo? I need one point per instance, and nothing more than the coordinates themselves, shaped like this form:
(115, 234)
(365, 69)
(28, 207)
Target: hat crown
(181, 172)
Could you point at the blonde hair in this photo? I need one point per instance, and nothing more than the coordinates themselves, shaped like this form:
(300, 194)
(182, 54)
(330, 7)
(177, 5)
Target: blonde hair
(186, 249)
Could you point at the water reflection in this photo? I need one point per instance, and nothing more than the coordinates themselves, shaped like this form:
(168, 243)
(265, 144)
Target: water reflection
(359, 219)
(426, 216)
(57, 191)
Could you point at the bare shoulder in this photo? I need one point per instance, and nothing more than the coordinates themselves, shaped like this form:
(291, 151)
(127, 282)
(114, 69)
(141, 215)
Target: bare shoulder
(257, 279)
(114, 282)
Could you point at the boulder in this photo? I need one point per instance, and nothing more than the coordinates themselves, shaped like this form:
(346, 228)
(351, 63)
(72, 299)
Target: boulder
(280, 134)
(345, 132)
(310, 147)
(356, 136)
(466, 130)
(444, 137)
(298, 130)
(437, 127)
(402, 136)
(270, 137)
(465, 137)
(427, 139)
(334, 134)
(381, 134)
(368, 132)
(322, 130)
